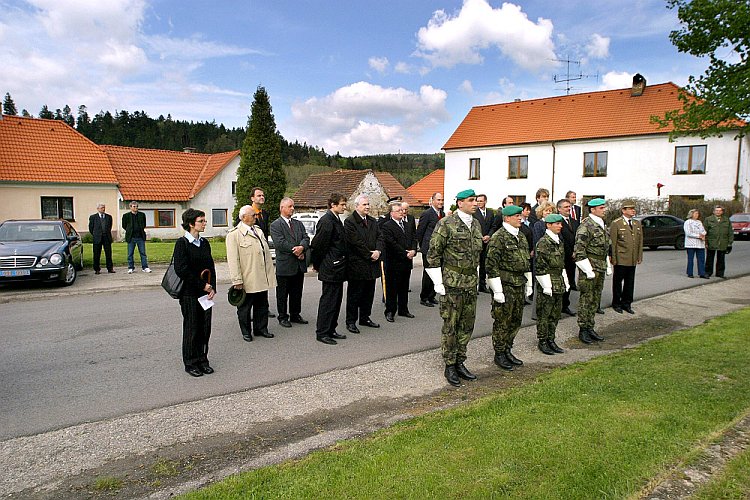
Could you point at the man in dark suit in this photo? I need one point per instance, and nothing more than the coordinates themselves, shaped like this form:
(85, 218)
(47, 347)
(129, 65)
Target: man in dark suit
(568, 236)
(427, 222)
(291, 242)
(262, 217)
(575, 210)
(408, 219)
(100, 227)
(364, 244)
(329, 259)
(485, 216)
(400, 249)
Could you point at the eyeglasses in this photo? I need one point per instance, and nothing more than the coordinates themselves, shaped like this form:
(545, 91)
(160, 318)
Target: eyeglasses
(201, 221)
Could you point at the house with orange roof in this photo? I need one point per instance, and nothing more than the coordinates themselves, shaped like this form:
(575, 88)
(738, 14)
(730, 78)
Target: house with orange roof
(424, 188)
(596, 144)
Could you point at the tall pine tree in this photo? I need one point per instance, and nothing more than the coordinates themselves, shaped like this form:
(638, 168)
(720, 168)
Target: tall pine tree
(9, 107)
(260, 158)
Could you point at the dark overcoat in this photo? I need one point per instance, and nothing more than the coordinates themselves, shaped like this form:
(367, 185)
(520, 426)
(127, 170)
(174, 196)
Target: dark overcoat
(361, 239)
(329, 248)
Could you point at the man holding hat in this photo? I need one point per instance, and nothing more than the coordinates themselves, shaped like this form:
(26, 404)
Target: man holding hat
(452, 261)
(590, 253)
(510, 281)
(626, 240)
(552, 279)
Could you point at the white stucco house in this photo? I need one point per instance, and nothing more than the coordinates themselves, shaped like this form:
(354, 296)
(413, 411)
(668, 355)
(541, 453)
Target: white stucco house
(596, 144)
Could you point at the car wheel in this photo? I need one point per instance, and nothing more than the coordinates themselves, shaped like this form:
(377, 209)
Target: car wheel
(680, 244)
(70, 274)
(653, 247)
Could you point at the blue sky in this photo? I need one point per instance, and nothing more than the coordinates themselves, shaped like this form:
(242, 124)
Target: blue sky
(355, 77)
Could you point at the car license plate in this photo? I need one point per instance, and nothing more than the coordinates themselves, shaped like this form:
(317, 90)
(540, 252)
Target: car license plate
(14, 273)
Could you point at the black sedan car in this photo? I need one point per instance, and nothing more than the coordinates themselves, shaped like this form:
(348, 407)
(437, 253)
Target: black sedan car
(49, 250)
(662, 230)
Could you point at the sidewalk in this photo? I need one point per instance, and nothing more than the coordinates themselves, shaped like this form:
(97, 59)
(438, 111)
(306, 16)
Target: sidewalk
(377, 394)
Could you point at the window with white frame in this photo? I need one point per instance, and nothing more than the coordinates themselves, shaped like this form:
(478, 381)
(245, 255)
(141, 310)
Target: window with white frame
(57, 207)
(473, 169)
(159, 217)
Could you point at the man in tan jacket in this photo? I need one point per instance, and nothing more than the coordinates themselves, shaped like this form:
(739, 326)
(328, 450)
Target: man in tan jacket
(626, 243)
(251, 269)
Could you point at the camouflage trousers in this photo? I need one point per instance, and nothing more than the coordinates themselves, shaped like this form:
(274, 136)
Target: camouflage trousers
(548, 311)
(591, 295)
(458, 308)
(507, 317)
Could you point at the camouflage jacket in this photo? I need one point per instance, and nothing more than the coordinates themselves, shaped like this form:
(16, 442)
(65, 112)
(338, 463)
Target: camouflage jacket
(592, 242)
(508, 257)
(456, 248)
(550, 259)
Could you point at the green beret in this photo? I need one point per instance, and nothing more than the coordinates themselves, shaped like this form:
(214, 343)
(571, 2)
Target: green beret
(628, 204)
(466, 193)
(236, 296)
(596, 202)
(552, 218)
(512, 210)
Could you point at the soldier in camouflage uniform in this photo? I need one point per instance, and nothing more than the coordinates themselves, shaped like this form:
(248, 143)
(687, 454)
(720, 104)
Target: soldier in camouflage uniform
(552, 283)
(452, 262)
(591, 255)
(510, 271)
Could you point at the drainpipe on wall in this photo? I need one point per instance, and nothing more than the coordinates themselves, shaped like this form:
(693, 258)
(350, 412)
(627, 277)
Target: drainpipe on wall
(737, 187)
(552, 189)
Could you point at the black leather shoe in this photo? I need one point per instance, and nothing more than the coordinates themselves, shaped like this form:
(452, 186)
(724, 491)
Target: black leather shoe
(573, 288)
(595, 336)
(299, 320)
(247, 338)
(568, 311)
(464, 372)
(555, 347)
(600, 311)
(426, 303)
(195, 372)
(706, 277)
(326, 340)
(111, 271)
(407, 314)
(512, 358)
(583, 336)
(369, 323)
(206, 369)
(389, 317)
(271, 315)
(265, 334)
(502, 361)
(285, 323)
(97, 272)
(628, 310)
(617, 309)
(544, 346)
(451, 375)
(336, 335)
(434, 302)
(352, 328)
(484, 289)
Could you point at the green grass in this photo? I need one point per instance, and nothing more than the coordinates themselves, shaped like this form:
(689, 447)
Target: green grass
(158, 253)
(601, 429)
(108, 484)
(732, 483)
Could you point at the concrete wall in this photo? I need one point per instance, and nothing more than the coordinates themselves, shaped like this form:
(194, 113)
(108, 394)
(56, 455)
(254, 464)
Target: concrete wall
(218, 195)
(371, 187)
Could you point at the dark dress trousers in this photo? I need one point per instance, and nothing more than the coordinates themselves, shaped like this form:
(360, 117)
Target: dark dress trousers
(290, 270)
(485, 221)
(397, 265)
(100, 228)
(427, 223)
(568, 237)
(362, 237)
(329, 259)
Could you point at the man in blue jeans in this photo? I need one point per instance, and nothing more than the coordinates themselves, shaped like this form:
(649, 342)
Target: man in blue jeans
(134, 223)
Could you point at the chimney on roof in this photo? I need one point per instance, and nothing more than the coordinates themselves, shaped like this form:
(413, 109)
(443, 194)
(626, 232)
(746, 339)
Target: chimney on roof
(188, 150)
(639, 85)
(516, 100)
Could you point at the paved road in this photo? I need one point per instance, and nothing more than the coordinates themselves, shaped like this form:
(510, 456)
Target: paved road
(81, 357)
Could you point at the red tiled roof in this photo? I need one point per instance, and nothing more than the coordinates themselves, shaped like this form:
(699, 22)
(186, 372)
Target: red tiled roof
(424, 188)
(393, 188)
(611, 113)
(159, 175)
(37, 150)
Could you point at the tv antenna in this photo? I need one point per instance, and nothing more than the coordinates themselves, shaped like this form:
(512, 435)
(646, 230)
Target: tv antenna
(571, 77)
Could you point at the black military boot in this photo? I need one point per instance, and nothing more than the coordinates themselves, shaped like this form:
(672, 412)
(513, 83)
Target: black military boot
(595, 336)
(545, 348)
(464, 372)
(451, 376)
(512, 358)
(583, 336)
(555, 347)
(502, 361)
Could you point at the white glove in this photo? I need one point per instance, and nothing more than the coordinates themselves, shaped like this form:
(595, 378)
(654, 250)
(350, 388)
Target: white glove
(436, 275)
(609, 268)
(585, 266)
(529, 284)
(565, 280)
(496, 285)
(546, 282)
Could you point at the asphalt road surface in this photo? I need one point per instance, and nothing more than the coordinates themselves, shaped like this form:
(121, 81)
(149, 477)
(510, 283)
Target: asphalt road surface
(79, 358)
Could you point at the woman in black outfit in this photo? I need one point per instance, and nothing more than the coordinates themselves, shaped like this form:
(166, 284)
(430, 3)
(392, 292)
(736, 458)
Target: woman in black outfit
(194, 264)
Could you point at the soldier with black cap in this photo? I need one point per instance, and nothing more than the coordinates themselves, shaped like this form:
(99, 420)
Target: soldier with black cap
(552, 283)
(590, 253)
(452, 261)
(626, 239)
(510, 281)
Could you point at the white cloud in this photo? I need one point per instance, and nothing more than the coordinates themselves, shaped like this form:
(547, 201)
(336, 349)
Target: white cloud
(598, 47)
(466, 87)
(403, 68)
(363, 118)
(379, 64)
(451, 40)
(616, 80)
(193, 48)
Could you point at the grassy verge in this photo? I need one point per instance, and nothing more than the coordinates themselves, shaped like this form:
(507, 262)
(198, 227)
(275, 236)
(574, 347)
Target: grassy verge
(733, 482)
(601, 429)
(158, 253)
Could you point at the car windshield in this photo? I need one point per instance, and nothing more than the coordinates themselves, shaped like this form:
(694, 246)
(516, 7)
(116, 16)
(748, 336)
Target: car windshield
(740, 218)
(309, 226)
(30, 231)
